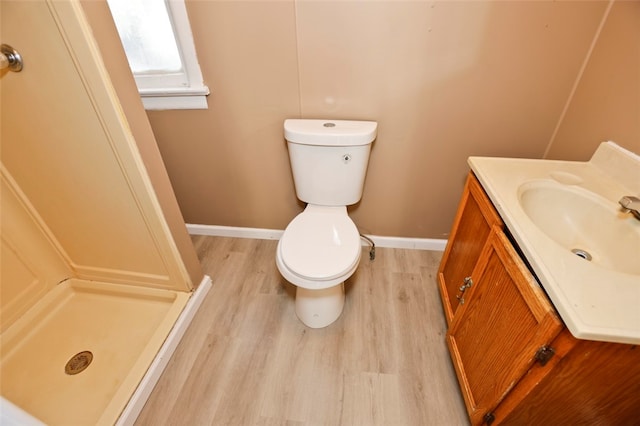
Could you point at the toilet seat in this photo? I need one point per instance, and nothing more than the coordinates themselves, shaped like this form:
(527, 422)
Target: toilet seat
(321, 244)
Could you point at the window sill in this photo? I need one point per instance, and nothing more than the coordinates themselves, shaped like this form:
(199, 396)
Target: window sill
(162, 99)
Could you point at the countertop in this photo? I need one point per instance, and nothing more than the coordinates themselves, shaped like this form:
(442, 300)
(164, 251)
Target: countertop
(595, 302)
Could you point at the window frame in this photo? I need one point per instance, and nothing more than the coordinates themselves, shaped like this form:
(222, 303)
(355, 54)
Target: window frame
(163, 91)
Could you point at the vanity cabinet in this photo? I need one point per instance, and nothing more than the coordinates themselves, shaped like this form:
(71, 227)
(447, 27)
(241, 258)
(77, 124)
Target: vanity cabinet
(496, 334)
(515, 360)
(472, 225)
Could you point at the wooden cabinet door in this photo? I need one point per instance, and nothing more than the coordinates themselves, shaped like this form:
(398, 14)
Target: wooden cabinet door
(495, 334)
(470, 230)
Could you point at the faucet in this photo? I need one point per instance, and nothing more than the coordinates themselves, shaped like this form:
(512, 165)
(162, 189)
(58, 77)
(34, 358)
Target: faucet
(631, 204)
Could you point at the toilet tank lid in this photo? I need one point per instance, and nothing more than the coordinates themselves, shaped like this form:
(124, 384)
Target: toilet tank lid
(330, 132)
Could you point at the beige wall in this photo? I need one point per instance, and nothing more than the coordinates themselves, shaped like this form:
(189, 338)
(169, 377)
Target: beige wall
(445, 80)
(606, 103)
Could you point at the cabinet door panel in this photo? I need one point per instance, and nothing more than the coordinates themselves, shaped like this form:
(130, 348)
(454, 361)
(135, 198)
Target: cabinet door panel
(496, 332)
(470, 230)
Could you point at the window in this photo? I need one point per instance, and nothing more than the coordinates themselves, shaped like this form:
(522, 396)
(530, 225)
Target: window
(157, 40)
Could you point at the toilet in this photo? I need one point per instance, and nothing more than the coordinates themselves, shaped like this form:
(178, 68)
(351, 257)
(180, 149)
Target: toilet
(321, 246)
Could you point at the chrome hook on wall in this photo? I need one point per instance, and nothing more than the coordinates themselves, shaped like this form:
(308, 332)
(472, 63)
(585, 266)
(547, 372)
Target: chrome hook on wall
(10, 58)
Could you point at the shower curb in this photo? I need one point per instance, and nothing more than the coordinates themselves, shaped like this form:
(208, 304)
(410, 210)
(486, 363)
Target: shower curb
(151, 377)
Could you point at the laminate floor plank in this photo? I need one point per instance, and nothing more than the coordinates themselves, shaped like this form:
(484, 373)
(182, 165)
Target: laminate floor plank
(246, 359)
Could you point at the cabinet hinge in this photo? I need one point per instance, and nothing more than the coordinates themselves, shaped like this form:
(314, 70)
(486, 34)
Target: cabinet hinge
(489, 418)
(544, 354)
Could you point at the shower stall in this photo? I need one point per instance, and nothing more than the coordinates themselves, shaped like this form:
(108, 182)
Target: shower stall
(96, 286)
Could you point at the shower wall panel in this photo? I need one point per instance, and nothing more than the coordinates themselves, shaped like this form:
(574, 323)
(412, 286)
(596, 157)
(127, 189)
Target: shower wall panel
(67, 145)
(30, 263)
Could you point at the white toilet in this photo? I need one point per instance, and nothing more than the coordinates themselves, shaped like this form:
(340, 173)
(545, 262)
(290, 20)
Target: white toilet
(321, 248)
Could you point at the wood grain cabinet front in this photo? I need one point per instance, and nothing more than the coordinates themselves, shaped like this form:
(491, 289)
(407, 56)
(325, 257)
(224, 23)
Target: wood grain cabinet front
(474, 220)
(495, 335)
(516, 362)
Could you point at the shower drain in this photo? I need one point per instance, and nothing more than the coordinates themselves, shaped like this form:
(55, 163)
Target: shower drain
(78, 363)
(581, 253)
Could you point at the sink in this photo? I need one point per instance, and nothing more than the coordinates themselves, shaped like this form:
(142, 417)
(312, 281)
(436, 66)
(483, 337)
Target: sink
(582, 248)
(593, 228)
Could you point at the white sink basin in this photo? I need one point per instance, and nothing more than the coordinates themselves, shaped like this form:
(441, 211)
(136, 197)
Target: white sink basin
(560, 213)
(584, 223)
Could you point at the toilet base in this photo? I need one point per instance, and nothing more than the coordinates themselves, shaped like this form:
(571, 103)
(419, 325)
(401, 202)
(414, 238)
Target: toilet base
(319, 308)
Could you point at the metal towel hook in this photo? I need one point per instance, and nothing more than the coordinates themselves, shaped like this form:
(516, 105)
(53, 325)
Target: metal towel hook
(10, 58)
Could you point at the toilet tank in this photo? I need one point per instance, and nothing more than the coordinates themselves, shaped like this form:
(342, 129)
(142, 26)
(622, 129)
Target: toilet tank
(329, 159)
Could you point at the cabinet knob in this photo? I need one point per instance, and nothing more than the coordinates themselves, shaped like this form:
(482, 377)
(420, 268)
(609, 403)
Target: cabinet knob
(468, 282)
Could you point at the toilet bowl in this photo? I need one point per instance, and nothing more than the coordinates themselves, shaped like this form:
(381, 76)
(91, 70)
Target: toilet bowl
(318, 251)
(321, 247)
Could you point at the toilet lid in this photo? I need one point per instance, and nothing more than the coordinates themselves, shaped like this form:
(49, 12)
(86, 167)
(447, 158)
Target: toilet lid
(320, 244)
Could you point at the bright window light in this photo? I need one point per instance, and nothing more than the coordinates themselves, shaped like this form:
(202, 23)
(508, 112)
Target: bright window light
(157, 39)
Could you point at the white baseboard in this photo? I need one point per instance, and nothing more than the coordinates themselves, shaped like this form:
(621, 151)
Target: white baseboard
(275, 234)
(409, 243)
(148, 382)
(234, 231)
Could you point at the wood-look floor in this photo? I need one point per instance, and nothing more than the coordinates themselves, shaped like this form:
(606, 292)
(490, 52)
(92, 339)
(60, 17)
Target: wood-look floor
(247, 360)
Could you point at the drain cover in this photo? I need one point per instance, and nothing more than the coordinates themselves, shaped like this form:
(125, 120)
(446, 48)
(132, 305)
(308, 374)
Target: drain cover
(78, 363)
(581, 253)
